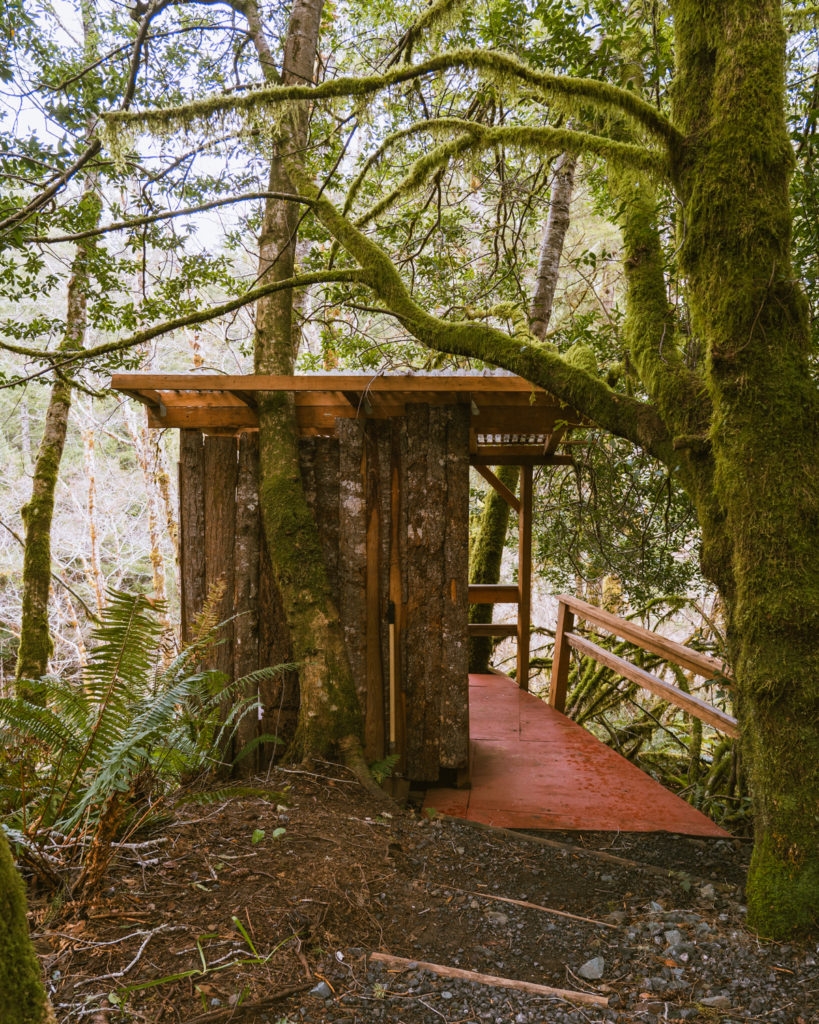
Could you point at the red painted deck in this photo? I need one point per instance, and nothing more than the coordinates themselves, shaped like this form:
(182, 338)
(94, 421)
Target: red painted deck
(534, 768)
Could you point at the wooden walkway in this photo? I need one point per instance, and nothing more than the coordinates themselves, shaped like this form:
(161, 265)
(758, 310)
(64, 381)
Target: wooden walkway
(533, 768)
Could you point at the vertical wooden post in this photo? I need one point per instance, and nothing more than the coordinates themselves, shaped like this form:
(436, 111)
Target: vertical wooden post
(524, 575)
(246, 585)
(374, 709)
(191, 528)
(560, 662)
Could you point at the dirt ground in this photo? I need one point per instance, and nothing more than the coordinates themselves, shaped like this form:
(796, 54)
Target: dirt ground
(232, 905)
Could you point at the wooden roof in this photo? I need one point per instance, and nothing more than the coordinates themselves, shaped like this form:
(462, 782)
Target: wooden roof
(511, 420)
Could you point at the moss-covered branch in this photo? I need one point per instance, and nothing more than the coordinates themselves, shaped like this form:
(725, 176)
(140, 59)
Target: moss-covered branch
(575, 93)
(474, 138)
(650, 326)
(621, 415)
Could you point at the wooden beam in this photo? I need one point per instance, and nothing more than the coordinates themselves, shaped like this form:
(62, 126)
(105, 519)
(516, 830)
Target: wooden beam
(554, 439)
(517, 455)
(247, 397)
(687, 701)
(507, 495)
(502, 629)
(235, 416)
(323, 382)
(149, 398)
(493, 593)
(694, 661)
(524, 576)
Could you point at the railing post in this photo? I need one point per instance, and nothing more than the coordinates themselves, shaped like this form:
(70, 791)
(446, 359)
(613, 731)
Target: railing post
(560, 662)
(524, 576)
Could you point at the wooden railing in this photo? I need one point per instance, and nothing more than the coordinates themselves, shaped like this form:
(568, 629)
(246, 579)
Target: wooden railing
(669, 650)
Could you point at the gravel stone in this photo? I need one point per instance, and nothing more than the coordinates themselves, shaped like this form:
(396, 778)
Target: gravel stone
(592, 970)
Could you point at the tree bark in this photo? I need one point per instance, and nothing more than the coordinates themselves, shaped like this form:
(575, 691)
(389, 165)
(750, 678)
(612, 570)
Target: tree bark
(330, 715)
(749, 308)
(551, 250)
(35, 638)
(22, 996)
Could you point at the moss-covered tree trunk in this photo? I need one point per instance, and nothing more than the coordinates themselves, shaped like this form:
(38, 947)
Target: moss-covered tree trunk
(486, 554)
(751, 312)
(329, 715)
(35, 638)
(485, 557)
(23, 998)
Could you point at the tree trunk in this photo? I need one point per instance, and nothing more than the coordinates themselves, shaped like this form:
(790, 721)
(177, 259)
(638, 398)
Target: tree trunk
(330, 715)
(35, 639)
(487, 551)
(22, 996)
(485, 560)
(752, 313)
(551, 250)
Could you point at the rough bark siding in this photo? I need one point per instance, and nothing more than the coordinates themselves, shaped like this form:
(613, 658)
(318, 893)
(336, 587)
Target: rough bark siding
(192, 527)
(246, 576)
(390, 503)
(352, 553)
(454, 640)
(221, 465)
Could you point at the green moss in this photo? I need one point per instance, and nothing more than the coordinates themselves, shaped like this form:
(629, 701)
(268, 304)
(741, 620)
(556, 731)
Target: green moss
(329, 713)
(22, 996)
(575, 93)
(35, 639)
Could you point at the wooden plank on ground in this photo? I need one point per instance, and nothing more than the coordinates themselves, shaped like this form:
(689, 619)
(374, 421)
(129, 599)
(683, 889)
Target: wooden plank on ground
(687, 701)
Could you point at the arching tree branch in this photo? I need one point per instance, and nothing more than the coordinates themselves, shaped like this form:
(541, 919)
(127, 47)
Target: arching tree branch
(574, 91)
(626, 417)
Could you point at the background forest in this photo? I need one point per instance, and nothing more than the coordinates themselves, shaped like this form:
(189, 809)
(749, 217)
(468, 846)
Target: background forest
(138, 241)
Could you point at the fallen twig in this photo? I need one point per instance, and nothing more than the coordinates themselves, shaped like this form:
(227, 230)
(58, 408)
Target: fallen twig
(524, 903)
(491, 980)
(233, 1013)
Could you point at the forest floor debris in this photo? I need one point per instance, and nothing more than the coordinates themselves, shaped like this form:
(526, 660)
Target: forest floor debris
(236, 920)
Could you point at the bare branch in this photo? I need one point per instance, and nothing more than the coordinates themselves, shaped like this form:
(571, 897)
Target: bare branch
(57, 360)
(166, 215)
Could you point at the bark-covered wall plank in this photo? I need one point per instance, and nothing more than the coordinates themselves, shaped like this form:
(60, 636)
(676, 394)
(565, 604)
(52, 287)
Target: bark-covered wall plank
(246, 577)
(454, 640)
(352, 549)
(220, 529)
(191, 527)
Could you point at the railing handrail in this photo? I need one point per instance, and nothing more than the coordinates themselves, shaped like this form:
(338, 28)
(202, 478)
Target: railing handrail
(671, 650)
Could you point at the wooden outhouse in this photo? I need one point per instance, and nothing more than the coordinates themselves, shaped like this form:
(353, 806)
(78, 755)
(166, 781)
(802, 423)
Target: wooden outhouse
(385, 462)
